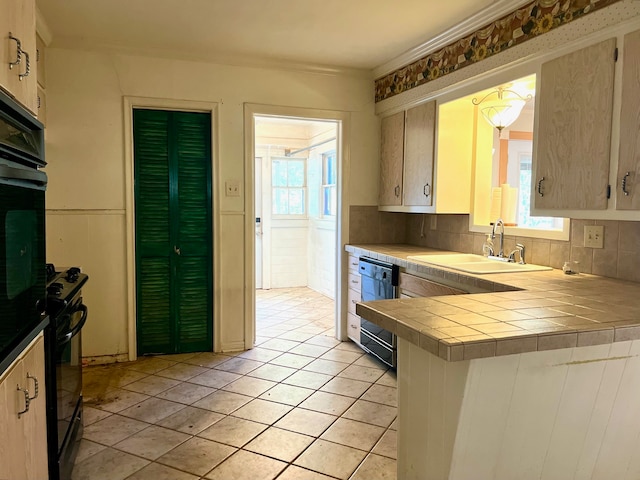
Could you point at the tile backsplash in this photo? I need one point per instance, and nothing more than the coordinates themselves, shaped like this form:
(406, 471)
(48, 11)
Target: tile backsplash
(620, 257)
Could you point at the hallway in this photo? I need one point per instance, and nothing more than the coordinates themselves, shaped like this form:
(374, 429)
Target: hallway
(299, 406)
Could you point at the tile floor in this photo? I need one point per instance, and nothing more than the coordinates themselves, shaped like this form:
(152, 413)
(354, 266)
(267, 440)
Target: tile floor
(299, 406)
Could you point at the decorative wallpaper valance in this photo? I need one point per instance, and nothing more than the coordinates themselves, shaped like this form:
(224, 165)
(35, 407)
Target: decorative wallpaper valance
(529, 21)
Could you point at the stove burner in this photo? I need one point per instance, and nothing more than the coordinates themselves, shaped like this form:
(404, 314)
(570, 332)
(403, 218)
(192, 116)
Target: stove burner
(55, 288)
(72, 274)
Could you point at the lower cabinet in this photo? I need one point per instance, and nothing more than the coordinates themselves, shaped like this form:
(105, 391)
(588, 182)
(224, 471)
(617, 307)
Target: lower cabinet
(23, 428)
(353, 297)
(412, 286)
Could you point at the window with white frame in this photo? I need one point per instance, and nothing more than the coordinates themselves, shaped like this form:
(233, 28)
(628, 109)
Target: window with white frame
(288, 182)
(329, 176)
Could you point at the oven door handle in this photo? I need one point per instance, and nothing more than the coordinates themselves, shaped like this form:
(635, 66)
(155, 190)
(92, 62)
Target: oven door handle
(75, 330)
(25, 174)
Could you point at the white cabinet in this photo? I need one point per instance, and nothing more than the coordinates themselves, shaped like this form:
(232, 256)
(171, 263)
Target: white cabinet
(353, 297)
(23, 448)
(18, 57)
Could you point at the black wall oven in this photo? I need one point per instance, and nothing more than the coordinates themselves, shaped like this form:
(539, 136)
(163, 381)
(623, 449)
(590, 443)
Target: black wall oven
(22, 229)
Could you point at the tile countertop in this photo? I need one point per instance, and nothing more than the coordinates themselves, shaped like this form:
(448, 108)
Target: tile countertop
(523, 312)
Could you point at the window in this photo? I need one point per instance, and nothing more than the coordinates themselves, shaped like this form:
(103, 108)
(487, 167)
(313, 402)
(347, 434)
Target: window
(289, 186)
(329, 202)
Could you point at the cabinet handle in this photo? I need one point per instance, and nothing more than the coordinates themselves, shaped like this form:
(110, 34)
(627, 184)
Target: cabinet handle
(354, 301)
(27, 69)
(426, 190)
(540, 187)
(35, 386)
(354, 281)
(624, 184)
(27, 400)
(39, 103)
(397, 190)
(18, 51)
(176, 250)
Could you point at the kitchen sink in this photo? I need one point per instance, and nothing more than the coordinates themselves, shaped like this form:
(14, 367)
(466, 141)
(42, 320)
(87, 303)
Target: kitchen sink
(469, 263)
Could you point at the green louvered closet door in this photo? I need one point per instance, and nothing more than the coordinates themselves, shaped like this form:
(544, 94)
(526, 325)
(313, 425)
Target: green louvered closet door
(172, 158)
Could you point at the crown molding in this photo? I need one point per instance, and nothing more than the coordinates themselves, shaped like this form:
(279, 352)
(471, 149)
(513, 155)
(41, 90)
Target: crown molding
(465, 27)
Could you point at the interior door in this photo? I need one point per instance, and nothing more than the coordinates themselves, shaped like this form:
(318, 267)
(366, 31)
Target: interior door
(172, 163)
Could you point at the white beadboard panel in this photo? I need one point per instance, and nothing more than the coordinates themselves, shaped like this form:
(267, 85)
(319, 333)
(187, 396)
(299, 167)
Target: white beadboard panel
(527, 434)
(483, 420)
(289, 255)
(322, 256)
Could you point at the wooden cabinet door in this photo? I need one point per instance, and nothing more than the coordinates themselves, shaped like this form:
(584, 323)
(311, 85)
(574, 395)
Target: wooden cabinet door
(13, 459)
(628, 178)
(574, 129)
(420, 123)
(391, 156)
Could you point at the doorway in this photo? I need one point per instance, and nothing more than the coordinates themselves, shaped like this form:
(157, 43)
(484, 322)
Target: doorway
(296, 203)
(173, 234)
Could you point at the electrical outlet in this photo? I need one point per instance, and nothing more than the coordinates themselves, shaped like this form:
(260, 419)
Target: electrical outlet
(232, 188)
(594, 236)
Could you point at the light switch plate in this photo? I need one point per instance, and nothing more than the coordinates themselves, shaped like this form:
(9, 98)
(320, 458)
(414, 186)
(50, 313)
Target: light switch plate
(232, 188)
(594, 236)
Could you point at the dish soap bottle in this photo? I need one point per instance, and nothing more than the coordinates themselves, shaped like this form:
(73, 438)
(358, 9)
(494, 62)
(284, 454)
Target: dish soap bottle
(487, 246)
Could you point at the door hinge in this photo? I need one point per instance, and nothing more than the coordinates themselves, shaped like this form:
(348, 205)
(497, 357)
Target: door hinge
(615, 55)
(608, 191)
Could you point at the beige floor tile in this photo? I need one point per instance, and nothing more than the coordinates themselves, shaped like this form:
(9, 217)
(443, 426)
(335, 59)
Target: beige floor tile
(247, 466)
(371, 362)
(260, 354)
(263, 411)
(350, 346)
(109, 464)
(116, 400)
(291, 360)
(152, 385)
(250, 386)
(344, 356)
(365, 374)
(344, 459)
(394, 425)
(113, 429)
(186, 393)
(177, 357)
(92, 415)
(275, 373)
(152, 442)
(326, 366)
(280, 345)
(214, 378)
(207, 359)
(309, 350)
(389, 379)
(388, 445)
(87, 448)
(346, 387)
(239, 365)
(191, 420)
(152, 410)
(296, 336)
(182, 371)
(233, 431)
(150, 365)
(223, 402)
(382, 394)
(375, 466)
(281, 444)
(306, 421)
(287, 394)
(351, 433)
(308, 379)
(298, 473)
(328, 403)
(323, 340)
(155, 471)
(371, 412)
(197, 456)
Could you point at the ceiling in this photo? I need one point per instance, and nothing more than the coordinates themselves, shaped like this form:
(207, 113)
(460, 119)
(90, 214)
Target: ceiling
(361, 34)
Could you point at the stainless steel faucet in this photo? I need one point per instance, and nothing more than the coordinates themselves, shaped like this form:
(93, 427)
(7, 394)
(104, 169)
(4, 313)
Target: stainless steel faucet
(500, 223)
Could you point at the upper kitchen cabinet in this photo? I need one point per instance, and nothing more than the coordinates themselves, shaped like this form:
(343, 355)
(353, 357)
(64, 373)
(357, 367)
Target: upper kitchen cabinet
(410, 178)
(575, 105)
(628, 178)
(18, 52)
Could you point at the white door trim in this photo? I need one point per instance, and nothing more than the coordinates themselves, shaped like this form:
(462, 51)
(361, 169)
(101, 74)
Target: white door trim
(167, 104)
(343, 120)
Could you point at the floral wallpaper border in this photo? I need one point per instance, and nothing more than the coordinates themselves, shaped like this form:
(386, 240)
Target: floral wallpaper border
(529, 21)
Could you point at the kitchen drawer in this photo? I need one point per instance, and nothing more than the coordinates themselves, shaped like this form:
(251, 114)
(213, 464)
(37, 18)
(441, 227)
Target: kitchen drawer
(415, 286)
(354, 281)
(353, 297)
(353, 264)
(353, 327)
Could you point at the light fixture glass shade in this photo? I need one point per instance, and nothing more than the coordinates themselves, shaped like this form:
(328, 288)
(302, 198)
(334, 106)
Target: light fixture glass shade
(503, 114)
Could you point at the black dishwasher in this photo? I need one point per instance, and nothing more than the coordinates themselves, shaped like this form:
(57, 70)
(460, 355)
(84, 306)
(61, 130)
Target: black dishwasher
(378, 282)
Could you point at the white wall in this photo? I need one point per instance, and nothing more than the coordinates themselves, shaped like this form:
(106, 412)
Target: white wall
(86, 152)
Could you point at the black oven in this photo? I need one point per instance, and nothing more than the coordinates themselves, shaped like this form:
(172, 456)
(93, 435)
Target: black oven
(63, 350)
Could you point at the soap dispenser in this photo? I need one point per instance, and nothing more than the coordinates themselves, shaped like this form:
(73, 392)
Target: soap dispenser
(487, 246)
